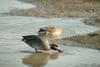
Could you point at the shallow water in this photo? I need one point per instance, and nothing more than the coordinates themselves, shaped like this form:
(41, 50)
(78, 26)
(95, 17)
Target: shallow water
(20, 26)
(6, 5)
(15, 53)
(72, 57)
(12, 49)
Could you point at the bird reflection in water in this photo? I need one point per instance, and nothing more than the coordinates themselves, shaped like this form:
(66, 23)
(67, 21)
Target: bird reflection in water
(39, 59)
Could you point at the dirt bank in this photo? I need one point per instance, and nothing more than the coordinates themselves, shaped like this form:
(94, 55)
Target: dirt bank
(91, 40)
(60, 8)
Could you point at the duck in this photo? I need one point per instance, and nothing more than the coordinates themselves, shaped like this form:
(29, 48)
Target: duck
(37, 42)
(50, 31)
(40, 41)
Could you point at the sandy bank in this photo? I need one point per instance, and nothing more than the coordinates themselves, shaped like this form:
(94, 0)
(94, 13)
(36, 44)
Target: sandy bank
(59, 8)
(91, 40)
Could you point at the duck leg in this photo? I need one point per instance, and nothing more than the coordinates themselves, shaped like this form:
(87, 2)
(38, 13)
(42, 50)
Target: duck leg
(36, 50)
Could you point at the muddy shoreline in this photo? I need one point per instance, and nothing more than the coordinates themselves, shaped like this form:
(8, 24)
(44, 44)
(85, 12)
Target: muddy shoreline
(59, 8)
(91, 40)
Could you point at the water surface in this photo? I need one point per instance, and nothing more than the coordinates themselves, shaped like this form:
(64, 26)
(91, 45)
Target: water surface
(13, 50)
(6, 5)
(15, 53)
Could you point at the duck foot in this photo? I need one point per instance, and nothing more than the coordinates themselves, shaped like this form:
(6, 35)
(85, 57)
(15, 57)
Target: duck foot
(54, 47)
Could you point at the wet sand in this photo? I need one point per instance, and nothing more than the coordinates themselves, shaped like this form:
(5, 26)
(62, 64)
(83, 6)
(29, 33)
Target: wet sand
(91, 40)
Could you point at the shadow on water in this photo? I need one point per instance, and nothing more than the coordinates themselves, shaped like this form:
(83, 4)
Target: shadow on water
(39, 59)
